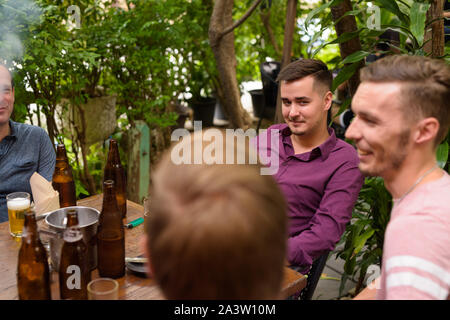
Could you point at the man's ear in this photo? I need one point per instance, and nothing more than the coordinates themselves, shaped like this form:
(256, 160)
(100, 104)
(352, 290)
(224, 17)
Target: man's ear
(328, 100)
(426, 130)
(143, 243)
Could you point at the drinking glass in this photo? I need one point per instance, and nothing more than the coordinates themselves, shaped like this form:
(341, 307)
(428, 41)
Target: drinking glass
(103, 289)
(18, 203)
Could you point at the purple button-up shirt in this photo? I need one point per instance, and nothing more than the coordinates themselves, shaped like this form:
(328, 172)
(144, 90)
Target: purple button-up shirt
(320, 187)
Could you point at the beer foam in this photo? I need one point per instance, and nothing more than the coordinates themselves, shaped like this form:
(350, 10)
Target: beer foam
(18, 204)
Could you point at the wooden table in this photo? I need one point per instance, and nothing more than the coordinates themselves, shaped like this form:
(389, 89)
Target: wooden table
(131, 286)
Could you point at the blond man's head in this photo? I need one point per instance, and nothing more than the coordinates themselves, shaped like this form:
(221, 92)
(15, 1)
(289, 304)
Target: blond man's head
(216, 231)
(425, 87)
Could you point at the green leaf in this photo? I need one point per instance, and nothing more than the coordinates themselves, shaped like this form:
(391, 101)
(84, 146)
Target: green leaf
(392, 6)
(403, 31)
(350, 265)
(50, 61)
(342, 38)
(356, 56)
(404, 3)
(361, 240)
(418, 16)
(346, 36)
(442, 154)
(80, 189)
(320, 9)
(345, 74)
(402, 50)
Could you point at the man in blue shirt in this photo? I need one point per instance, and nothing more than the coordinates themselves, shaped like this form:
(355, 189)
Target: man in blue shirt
(24, 149)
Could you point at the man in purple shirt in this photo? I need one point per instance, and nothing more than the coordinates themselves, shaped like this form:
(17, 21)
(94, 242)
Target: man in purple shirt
(317, 172)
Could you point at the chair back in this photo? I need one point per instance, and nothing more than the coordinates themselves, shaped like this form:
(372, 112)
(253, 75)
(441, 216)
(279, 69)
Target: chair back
(314, 277)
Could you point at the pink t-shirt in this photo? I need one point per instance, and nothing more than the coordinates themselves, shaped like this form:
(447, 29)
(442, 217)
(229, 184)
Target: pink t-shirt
(416, 253)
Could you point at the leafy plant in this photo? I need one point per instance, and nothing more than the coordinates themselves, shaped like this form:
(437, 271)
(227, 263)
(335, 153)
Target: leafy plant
(408, 18)
(201, 76)
(141, 54)
(364, 237)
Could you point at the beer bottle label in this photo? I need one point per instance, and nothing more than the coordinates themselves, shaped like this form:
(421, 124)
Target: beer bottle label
(72, 235)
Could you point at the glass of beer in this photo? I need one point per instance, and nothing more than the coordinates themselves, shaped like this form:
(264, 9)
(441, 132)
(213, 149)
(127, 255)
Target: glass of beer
(18, 203)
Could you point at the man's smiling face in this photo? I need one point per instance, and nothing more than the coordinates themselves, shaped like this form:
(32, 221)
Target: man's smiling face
(6, 96)
(304, 107)
(379, 129)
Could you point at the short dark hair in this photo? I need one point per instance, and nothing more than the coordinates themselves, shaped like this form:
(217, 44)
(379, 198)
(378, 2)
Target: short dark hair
(10, 74)
(302, 68)
(425, 88)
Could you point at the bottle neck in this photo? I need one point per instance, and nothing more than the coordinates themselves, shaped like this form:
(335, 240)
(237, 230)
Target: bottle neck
(113, 154)
(61, 153)
(62, 162)
(30, 232)
(72, 219)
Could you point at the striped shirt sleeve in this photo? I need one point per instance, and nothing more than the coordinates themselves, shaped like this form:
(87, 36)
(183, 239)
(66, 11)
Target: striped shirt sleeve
(410, 277)
(416, 260)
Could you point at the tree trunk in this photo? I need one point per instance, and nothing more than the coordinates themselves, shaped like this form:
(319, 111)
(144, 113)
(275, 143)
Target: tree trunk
(291, 15)
(224, 53)
(347, 24)
(265, 18)
(52, 128)
(81, 137)
(435, 47)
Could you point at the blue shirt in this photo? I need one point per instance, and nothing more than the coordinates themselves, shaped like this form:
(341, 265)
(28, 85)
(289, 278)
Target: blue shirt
(26, 150)
(320, 186)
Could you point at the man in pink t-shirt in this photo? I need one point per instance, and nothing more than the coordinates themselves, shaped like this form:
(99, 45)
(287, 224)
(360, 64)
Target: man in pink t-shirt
(402, 114)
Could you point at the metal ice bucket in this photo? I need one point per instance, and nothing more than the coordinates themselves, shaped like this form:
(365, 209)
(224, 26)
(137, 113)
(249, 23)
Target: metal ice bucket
(88, 222)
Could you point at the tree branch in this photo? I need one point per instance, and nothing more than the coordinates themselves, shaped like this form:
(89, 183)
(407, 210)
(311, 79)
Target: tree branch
(241, 20)
(289, 29)
(265, 18)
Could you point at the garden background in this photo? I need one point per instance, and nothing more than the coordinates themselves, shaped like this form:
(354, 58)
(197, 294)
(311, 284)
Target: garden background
(89, 70)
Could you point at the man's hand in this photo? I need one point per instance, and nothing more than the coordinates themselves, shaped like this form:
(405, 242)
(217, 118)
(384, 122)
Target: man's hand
(369, 292)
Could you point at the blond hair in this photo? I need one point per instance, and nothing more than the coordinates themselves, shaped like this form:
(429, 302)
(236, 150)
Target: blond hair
(216, 231)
